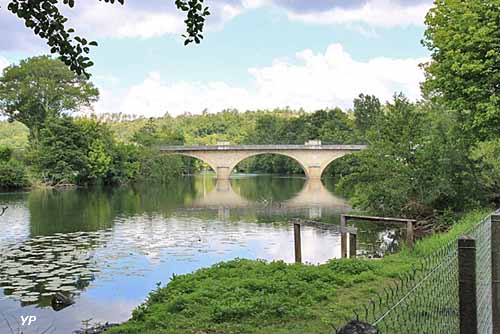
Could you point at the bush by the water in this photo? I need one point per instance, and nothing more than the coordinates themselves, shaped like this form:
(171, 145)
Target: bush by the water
(12, 174)
(81, 151)
(12, 171)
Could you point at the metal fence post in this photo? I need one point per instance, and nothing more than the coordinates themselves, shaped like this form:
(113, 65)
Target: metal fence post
(296, 238)
(495, 271)
(467, 285)
(343, 236)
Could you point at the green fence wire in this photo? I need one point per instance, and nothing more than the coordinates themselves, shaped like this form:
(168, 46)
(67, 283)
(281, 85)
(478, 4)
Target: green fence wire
(425, 301)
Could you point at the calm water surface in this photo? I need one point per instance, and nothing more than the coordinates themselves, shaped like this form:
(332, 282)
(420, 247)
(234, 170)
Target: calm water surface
(107, 248)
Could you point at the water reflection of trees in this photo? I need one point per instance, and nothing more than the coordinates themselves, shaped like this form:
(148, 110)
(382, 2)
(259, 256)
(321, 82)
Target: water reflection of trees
(96, 208)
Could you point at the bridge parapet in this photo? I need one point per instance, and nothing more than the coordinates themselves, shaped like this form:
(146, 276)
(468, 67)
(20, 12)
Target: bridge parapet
(181, 148)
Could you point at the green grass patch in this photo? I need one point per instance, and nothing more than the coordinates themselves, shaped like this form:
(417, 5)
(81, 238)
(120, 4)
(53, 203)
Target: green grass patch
(249, 296)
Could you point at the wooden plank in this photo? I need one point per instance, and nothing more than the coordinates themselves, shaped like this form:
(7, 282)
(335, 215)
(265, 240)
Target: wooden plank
(374, 218)
(325, 226)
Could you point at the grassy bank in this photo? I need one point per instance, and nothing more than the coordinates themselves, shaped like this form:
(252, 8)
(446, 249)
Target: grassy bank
(245, 296)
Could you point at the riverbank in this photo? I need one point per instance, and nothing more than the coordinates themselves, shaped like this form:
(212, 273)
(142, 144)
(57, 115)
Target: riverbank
(246, 296)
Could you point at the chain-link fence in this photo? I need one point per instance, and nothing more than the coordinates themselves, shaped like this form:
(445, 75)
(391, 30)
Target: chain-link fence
(426, 300)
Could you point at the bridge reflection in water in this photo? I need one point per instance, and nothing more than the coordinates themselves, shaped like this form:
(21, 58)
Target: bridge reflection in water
(312, 201)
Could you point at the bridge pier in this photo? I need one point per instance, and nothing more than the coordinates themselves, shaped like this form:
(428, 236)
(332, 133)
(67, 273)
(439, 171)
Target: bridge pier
(223, 173)
(314, 172)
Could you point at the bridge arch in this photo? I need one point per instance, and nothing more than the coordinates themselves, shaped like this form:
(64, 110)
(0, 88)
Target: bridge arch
(197, 157)
(283, 154)
(329, 163)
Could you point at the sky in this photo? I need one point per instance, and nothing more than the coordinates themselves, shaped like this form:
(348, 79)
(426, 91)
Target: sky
(256, 54)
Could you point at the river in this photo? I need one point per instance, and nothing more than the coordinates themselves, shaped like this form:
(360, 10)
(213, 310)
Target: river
(108, 247)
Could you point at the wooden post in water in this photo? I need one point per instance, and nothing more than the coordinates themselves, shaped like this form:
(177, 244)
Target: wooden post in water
(409, 234)
(352, 245)
(467, 285)
(495, 271)
(343, 236)
(296, 238)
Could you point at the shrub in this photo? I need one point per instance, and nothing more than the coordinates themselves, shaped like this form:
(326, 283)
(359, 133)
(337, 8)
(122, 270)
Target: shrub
(12, 174)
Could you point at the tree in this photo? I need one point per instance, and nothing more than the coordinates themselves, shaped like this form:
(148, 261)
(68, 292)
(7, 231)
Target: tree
(464, 74)
(59, 157)
(82, 151)
(367, 111)
(45, 19)
(151, 134)
(12, 172)
(487, 155)
(268, 128)
(160, 167)
(42, 87)
(416, 166)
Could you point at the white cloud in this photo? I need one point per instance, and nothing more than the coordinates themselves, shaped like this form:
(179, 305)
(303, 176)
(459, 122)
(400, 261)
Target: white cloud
(380, 13)
(100, 19)
(313, 81)
(153, 97)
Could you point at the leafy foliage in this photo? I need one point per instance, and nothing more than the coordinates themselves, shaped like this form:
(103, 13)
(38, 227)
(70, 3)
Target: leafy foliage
(155, 167)
(463, 37)
(39, 88)
(13, 135)
(12, 174)
(12, 171)
(59, 157)
(46, 20)
(416, 165)
(487, 155)
(367, 112)
(5, 153)
(82, 152)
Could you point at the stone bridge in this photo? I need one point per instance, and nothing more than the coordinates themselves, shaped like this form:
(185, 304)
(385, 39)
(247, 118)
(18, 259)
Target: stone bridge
(222, 158)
